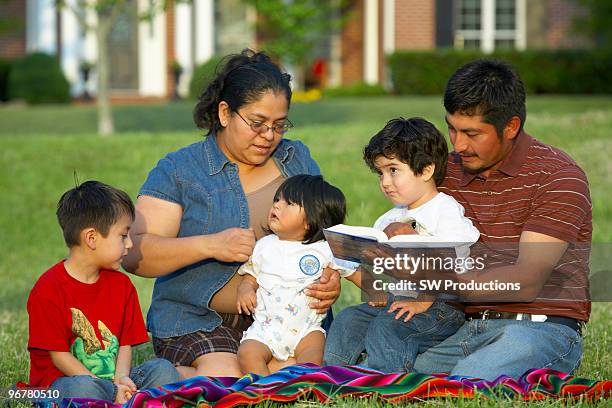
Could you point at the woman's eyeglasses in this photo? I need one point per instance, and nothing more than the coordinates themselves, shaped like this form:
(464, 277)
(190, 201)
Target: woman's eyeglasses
(260, 127)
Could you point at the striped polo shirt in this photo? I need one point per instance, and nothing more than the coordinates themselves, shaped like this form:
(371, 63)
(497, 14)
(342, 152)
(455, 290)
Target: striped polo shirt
(537, 188)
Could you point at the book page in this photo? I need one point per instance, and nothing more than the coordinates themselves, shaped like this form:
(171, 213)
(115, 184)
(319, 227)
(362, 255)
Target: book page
(366, 232)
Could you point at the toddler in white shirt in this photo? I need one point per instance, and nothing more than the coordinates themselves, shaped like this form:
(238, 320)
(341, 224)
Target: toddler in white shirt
(283, 264)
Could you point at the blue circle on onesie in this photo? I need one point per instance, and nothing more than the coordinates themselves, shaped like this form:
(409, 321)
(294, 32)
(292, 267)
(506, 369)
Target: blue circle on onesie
(309, 264)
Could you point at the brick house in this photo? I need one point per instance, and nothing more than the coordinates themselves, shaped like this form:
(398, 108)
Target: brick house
(142, 53)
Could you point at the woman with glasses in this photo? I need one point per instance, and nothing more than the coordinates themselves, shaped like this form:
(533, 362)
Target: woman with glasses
(202, 207)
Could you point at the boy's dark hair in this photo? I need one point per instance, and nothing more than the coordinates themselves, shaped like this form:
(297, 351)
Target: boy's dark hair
(489, 88)
(323, 204)
(240, 79)
(413, 141)
(91, 205)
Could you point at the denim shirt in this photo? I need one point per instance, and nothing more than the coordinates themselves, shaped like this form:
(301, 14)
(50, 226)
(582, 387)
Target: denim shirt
(206, 185)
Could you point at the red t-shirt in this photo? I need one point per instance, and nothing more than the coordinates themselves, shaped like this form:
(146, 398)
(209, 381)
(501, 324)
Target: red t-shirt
(112, 300)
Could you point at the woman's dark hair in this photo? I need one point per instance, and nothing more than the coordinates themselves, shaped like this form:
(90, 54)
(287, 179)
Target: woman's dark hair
(91, 205)
(413, 141)
(240, 79)
(489, 88)
(323, 204)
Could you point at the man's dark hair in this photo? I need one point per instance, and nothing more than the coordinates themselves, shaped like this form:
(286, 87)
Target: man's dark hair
(323, 204)
(413, 141)
(489, 88)
(91, 205)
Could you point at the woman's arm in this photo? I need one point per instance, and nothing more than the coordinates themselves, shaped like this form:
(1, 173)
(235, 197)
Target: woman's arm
(157, 251)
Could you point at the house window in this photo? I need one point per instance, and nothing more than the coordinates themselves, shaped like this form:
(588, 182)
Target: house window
(505, 15)
(469, 16)
(488, 24)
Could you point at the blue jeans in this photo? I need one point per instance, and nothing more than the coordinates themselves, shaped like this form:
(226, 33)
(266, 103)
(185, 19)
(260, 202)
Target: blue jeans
(489, 348)
(480, 348)
(345, 340)
(150, 374)
(391, 345)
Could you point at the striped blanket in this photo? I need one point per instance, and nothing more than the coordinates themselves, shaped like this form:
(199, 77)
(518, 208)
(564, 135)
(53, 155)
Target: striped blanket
(311, 382)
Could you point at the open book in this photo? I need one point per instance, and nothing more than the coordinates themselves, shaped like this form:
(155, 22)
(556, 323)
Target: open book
(349, 242)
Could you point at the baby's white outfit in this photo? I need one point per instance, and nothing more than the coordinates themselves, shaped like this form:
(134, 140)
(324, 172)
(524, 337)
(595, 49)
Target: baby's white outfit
(283, 269)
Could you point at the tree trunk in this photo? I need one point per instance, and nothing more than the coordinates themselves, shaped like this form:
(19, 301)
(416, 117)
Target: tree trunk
(299, 82)
(105, 116)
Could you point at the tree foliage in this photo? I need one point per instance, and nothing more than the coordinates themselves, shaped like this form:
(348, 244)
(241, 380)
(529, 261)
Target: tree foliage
(106, 14)
(596, 21)
(292, 30)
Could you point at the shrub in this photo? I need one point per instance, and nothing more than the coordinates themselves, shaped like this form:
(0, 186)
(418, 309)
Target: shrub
(358, 89)
(425, 72)
(202, 76)
(542, 71)
(38, 78)
(5, 68)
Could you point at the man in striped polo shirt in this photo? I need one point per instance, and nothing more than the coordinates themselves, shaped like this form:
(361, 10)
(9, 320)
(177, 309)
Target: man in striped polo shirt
(531, 204)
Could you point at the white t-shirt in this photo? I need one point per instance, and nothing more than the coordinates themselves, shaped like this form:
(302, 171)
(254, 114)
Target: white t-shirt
(276, 262)
(283, 269)
(442, 217)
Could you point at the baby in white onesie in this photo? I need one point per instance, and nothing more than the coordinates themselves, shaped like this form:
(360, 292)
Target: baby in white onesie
(283, 264)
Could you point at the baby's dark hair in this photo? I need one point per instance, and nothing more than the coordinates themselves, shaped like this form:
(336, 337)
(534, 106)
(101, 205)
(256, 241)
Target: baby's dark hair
(323, 204)
(413, 141)
(240, 79)
(91, 205)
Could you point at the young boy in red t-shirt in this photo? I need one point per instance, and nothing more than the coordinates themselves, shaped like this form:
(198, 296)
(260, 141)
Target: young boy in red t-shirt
(84, 313)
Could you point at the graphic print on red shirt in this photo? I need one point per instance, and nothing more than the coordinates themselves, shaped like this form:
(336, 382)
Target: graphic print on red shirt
(112, 300)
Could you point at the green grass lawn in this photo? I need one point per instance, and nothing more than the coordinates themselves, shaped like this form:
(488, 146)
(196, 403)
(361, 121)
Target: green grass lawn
(41, 147)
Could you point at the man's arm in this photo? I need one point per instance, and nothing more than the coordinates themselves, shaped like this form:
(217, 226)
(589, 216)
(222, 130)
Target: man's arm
(538, 256)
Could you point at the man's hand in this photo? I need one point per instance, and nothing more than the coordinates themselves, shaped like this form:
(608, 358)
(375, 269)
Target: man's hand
(399, 228)
(327, 290)
(408, 306)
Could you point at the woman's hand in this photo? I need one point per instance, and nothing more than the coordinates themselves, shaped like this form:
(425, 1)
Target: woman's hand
(232, 244)
(327, 290)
